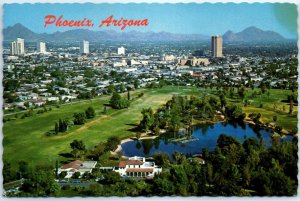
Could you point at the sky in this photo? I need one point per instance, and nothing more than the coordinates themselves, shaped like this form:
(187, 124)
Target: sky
(191, 18)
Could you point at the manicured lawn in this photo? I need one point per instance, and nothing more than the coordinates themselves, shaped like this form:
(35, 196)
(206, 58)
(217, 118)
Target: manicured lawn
(24, 139)
(272, 105)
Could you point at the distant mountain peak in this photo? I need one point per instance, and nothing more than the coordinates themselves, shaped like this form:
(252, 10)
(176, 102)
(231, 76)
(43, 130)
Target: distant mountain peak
(252, 34)
(252, 28)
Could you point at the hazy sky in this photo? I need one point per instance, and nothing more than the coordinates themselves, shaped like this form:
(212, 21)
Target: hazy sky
(205, 18)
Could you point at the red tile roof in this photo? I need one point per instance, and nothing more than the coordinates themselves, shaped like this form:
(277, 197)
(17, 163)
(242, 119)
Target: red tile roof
(122, 164)
(134, 162)
(74, 165)
(139, 170)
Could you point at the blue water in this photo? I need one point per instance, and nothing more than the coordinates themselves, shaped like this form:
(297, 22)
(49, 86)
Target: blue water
(207, 135)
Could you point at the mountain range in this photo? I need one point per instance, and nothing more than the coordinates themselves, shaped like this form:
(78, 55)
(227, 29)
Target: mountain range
(250, 34)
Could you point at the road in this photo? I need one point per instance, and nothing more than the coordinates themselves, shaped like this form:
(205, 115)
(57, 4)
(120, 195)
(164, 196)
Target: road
(81, 184)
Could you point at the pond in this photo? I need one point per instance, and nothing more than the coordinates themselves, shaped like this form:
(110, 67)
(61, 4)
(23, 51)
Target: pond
(204, 136)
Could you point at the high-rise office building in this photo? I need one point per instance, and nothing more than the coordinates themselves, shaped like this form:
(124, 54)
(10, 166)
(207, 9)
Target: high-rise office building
(85, 47)
(216, 46)
(41, 47)
(121, 50)
(17, 47)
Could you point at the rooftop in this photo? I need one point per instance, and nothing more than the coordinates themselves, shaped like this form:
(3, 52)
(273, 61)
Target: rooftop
(139, 170)
(122, 164)
(74, 165)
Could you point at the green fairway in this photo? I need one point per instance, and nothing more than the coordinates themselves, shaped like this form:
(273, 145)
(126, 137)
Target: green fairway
(24, 139)
(272, 105)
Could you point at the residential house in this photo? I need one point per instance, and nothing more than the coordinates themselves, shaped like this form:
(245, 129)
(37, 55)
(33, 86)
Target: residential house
(77, 166)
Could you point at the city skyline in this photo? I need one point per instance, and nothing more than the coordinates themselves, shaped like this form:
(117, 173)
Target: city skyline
(185, 18)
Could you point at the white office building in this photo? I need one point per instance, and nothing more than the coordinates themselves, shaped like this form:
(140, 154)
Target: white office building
(121, 51)
(85, 47)
(17, 47)
(41, 47)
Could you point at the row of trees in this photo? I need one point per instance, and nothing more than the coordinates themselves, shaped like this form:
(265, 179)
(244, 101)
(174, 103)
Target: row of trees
(79, 149)
(181, 110)
(79, 119)
(37, 181)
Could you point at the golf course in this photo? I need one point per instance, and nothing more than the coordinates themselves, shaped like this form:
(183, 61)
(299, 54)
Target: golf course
(25, 139)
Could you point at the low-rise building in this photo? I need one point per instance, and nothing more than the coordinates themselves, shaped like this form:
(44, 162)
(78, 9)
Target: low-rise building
(137, 167)
(77, 166)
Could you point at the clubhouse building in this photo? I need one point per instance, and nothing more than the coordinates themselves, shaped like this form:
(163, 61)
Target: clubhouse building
(137, 167)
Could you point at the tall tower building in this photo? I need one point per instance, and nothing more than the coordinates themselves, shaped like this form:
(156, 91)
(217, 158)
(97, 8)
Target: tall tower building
(13, 48)
(121, 50)
(17, 47)
(216, 46)
(41, 47)
(85, 47)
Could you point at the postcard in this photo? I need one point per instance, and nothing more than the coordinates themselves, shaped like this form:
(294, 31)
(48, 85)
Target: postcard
(150, 99)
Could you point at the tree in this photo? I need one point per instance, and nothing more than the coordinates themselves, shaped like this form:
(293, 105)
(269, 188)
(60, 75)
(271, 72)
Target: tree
(62, 126)
(234, 112)
(76, 175)
(90, 113)
(136, 83)
(63, 174)
(78, 144)
(40, 183)
(128, 95)
(148, 119)
(56, 169)
(161, 159)
(242, 92)
(11, 84)
(111, 177)
(121, 88)
(226, 140)
(97, 151)
(8, 174)
(24, 170)
(89, 73)
(263, 88)
(175, 119)
(94, 190)
(163, 186)
(112, 143)
(117, 102)
(223, 102)
(56, 129)
(111, 89)
(291, 107)
(79, 118)
(78, 148)
(104, 110)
